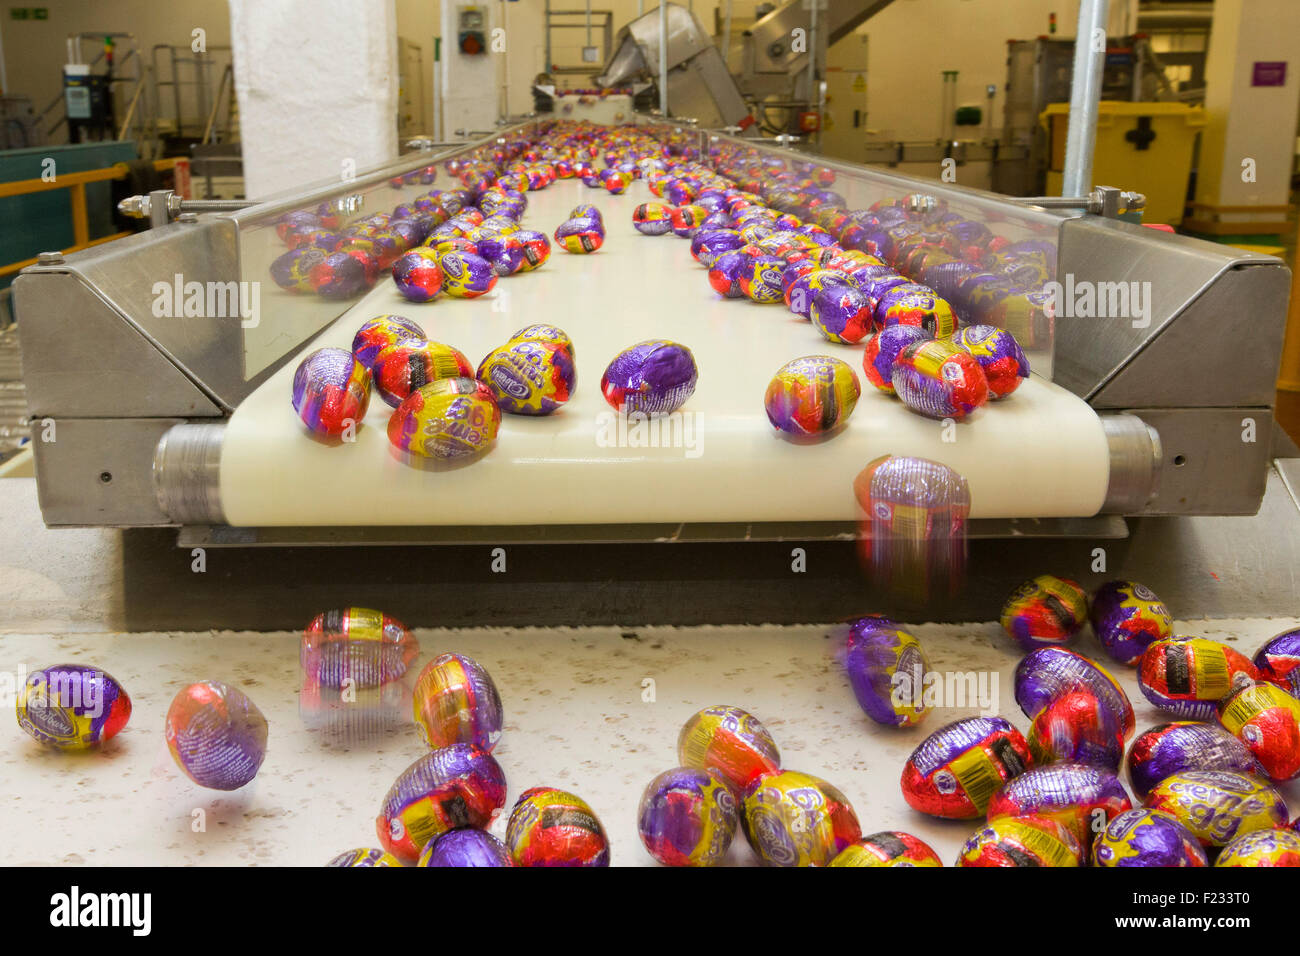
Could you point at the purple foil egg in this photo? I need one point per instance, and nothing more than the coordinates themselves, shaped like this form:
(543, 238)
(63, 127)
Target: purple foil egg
(1186, 745)
(653, 378)
(1051, 672)
(1279, 661)
(216, 735)
(886, 667)
(1127, 618)
(293, 270)
(688, 817)
(466, 847)
(885, 346)
(1081, 797)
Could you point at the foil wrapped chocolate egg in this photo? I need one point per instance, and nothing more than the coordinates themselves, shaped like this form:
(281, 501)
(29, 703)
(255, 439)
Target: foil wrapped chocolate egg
(1143, 837)
(686, 219)
(358, 645)
(812, 395)
(886, 666)
(1218, 805)
(466, 846)
(1051, 672)
(760, 281)
(580, 236)
(586, 210)
(841, 314)
(528, 376)
(883, 348)
(1077, 728)
(796, 819)
(802, 281)
(1022, 841)
(726, 270)
(537, 249)
(456, 702)
(293, 269)
(364, 857)
(939, 380)
(729, 741)
(1172, 748)
(1127, 618)
(550, 827)
(331, 391)
(465, 275)
(653, 218)
(1045, 612)
(72, 707)
(1278, 661)
(1266, 719)
(381, 333)
(998, 353)
(1187, 676)
(655, 377)
(457, 786)
(216, 735)
(505, 252)
(888, 848)
(549, 334)
(447, 419)
(1275, 847)
(418, 275)
(956, 770)
(706, 247)
(413, 363)
(687, 817)
(915, 305)
(1085, 799)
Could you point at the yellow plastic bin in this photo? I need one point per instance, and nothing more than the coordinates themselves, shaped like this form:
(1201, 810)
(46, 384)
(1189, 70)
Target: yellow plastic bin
(1145, 147)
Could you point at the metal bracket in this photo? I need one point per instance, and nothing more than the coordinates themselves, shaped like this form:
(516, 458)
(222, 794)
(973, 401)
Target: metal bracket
(1103, 201)
(163, 205)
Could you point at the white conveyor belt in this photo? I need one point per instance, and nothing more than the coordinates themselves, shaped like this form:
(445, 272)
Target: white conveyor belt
(1040, 453)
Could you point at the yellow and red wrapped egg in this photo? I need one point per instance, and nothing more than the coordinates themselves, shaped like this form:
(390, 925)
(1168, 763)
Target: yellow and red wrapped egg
(1278, 661)
(293, 270)
(364, 857)
(729, 741)
(580, 236)
(936, 379)
(1127, 618)
(1275, 847)
(1143, 837)
(72, 707)
(760, 280)
(956, 770)
(813, 395)
(1266, 719)
(726, 270)
(331, 391)
(380, 333)
(917, 305)
(1218, 805)
(456, 702)
(413, 363)
(653, 218)
(615, 183)
(886, 667)
(356, 644)
(687, 817)
(685, 219)
(216, 735)
(998, 353)
(529, 377)
(537, 249)
(1022, 841)
(796, 819)
(1077, 728)
(883, 348)
(1046, 674)
(1085, 799)
(1187, 676)
(465, 275)
(447, 419)
(540, 332)
(457, 786)
(341, 275)
(1045, 612)
(888, 848)
(1187, 745)
(841, 314)
(550, 827)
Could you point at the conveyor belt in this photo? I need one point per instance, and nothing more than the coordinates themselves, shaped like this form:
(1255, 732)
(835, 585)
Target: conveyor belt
(1040, 453)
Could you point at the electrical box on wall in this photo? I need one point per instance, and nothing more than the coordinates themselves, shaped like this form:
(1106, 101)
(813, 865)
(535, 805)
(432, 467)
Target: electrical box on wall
(471, 24)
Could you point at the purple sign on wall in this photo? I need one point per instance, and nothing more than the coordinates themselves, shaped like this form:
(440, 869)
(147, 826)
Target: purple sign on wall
(1268, 73)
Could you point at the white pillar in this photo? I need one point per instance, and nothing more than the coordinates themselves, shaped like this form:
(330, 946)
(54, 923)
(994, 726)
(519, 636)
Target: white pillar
(1252, 75)
(317, 86)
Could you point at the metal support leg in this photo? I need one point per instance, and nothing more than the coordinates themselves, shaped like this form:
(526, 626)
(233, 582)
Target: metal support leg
(1085, 91)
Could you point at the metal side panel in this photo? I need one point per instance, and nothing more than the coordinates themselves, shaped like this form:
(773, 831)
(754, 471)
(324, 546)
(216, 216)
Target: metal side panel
(1173, 273)
(1206, 357)
(82, 358)
(98, 472)
(1213, 460)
